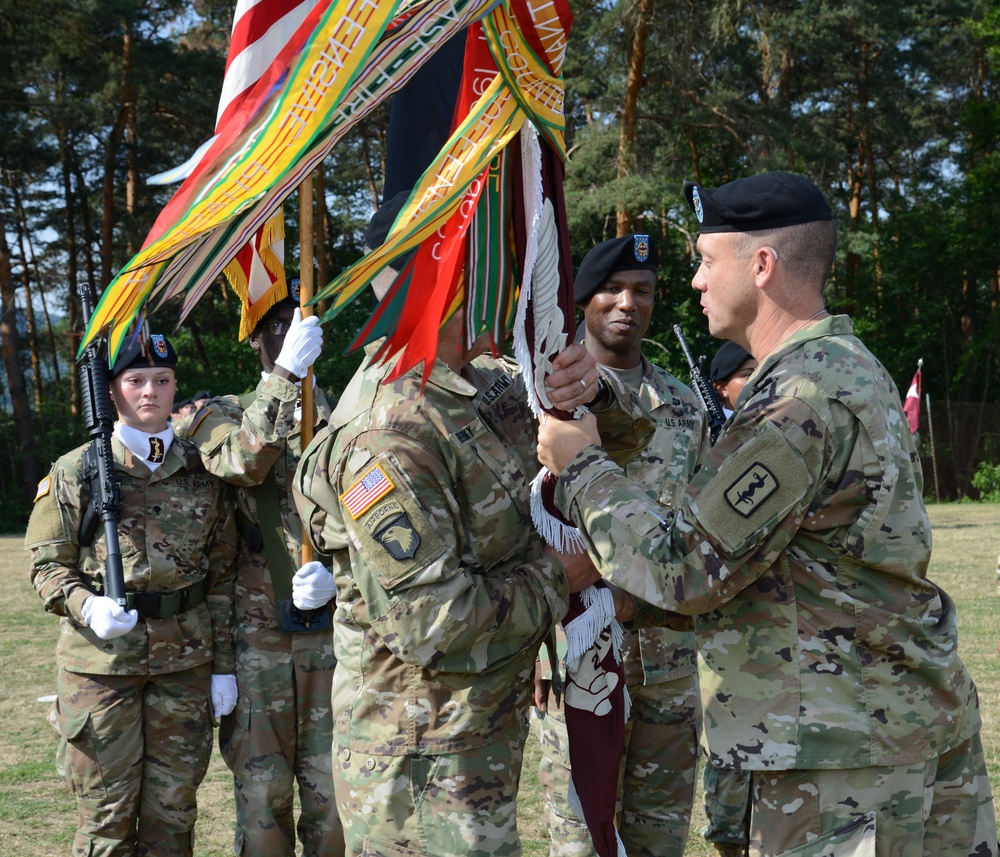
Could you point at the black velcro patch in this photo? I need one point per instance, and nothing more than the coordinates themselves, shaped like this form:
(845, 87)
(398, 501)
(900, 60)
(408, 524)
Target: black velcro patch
(748, 493)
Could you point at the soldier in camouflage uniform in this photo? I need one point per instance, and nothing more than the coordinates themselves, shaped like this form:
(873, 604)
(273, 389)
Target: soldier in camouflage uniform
(801, 547)
(444, 591)
(135, 685)
(280, 732)
(615, 287)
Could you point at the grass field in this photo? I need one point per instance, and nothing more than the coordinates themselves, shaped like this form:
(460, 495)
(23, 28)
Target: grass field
(37, 814)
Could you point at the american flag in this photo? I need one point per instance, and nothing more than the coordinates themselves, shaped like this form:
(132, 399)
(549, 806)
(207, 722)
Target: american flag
(911, 406)
(261, 30)
(363, 494)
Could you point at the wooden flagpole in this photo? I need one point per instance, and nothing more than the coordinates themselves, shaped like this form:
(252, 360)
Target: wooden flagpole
(930, 429)
(308, 417)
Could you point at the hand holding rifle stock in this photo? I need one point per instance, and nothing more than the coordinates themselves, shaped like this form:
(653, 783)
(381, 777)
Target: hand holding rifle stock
(703, 389)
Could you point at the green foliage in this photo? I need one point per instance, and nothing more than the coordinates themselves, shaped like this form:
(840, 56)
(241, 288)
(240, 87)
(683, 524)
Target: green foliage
(893, 109)
(987, 482)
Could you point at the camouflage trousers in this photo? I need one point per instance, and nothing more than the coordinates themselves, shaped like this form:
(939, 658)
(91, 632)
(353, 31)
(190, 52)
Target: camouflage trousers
(134, 750)
(939, 808)
(727, 806)
(658, 776)
(452, 805)
(280, 733)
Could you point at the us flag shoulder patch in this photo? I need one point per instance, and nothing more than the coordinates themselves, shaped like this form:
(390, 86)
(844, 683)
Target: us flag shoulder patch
(367, 491)
(43, 488)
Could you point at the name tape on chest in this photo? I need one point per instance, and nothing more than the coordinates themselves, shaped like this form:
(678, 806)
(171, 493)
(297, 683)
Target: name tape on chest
(373, 485)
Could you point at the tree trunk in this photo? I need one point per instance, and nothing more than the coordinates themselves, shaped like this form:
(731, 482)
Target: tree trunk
(29, 304)
(322, 235)
(53, 351)
(129, 97)
(369, 169)
(630, 109)
(75, 406)
(23, 430)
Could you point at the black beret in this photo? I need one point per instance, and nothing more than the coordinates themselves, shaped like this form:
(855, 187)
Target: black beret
(383, 218)
(181, 403)
(201, 394)
(635, 252)
(727, 360)
(767, 201)
(155, 354)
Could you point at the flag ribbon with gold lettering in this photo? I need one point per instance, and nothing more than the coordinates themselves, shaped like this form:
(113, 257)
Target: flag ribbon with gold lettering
(250, 168)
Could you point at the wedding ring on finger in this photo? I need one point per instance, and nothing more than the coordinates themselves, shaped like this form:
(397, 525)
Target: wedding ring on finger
(583, 381)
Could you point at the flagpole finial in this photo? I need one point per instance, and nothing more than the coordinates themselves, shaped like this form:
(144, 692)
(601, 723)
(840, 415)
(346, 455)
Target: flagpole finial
(920, 362)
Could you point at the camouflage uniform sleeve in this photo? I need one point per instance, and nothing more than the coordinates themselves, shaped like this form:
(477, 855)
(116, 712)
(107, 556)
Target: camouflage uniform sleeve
(52, 539)
(240, 446)
(221, 584)
(414, 564)
(648, 616)
(741, 510)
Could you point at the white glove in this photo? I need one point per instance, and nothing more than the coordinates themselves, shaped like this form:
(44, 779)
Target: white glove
(302, 345)
(107, 618)
(312, 586)
(223, 695)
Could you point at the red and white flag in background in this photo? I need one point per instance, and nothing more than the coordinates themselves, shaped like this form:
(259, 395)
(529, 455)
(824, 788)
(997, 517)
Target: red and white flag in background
(261, 30)
(911, 406)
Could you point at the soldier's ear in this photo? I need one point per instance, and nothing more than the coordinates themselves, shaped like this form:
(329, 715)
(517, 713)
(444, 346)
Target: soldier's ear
(254, 340)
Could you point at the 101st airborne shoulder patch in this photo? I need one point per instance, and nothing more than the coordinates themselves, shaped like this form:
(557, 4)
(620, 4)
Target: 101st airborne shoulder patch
(748, 493)
(397, 535)
(373, 485)
(390, 526)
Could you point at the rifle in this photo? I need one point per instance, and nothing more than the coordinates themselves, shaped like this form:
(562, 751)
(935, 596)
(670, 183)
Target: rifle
(703, 389)
(98, 461)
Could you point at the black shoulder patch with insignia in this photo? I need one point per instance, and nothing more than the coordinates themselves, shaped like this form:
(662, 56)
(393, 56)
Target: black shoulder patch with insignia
(748, 493)
(398, 537)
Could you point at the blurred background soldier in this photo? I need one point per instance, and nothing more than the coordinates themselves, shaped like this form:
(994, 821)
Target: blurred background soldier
(135, 682)
(280, 731)
(615, 286)
(731, 368)
(727, 791)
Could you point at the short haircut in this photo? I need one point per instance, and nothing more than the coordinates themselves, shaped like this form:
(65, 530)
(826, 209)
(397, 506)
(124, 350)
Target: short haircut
(807, 250)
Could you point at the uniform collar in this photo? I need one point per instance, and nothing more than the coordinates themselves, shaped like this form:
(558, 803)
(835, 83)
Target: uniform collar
(832, 325)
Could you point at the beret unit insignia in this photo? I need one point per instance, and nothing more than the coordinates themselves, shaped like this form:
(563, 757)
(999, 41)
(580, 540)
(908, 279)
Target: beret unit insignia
(641, 247)
(696, 203)
(159, 344)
